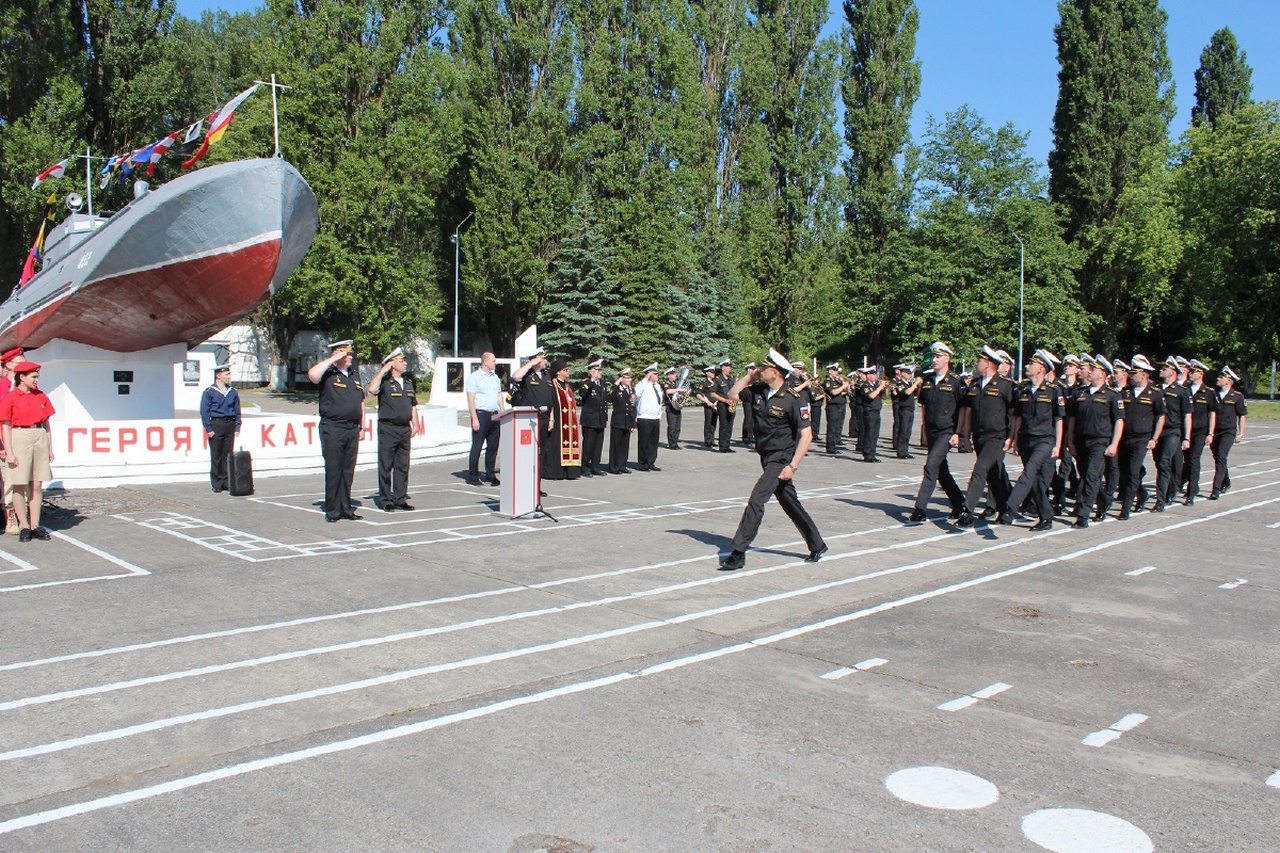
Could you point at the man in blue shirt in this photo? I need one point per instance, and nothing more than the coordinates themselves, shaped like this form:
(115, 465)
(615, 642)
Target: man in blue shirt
(484, 400)
(220, 414)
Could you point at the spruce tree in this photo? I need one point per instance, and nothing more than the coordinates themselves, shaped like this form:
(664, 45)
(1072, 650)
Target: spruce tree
(1224, 80)
(581, 318)
(1110, 139)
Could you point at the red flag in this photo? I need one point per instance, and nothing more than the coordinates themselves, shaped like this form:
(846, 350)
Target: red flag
(54, 171)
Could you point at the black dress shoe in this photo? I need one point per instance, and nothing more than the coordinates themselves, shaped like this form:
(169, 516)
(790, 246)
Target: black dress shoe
(727, 450)
(404, 506)
(1159, 507)
(1081, 523)
(815, 556)
(1100, 514)
(966, 519)
(1123, 516)
(217, 489)
(917, 515)
(351, 516)
(588, 473)
(41, 534)
(987, 513)
(494, 481)
(331, 518)
(474, 481)
(600, 473)
(24, 535)
(1191, 500)
(1046, 524)
(1007, 517)
(389, 507)
(1213, 496)
(654, 468)
(642, 467)
(735, 560)
(624, 471)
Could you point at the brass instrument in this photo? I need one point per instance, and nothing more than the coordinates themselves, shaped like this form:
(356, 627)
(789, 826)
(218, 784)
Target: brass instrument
(682, 388)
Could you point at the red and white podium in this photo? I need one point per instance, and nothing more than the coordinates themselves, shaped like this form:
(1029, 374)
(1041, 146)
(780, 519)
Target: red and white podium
(518, 428)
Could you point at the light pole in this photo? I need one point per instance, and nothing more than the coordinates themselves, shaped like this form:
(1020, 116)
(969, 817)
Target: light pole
(1022, 253)
(457, 241)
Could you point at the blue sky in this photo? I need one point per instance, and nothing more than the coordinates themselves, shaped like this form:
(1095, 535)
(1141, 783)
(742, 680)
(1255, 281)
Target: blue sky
(998, 56)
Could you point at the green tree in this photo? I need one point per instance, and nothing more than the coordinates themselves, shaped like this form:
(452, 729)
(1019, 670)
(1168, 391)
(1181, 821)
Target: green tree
(880, 85)
(581, 320)
(1224, 80)
(1110, 130)
(1228, 195)
(516, 65)
(787, 162)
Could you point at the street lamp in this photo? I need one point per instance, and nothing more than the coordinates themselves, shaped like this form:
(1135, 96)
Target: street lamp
(456, 239)
(1022, 252)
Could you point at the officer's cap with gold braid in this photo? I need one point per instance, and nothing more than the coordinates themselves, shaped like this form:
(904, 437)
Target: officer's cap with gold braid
(1071, 358)
(1045, 358)
(669, 371)
(1197, 364)
(1170, 362)
(1229, 373)
(710, 369)
(1121, 364)
(726, 363)
(904, 366)
(342, 346)
(1005, 357)
(835, 365)
(593, 364)
(750, 366)
(939, 347)
(1141, 362)
(797, 365)
(1100, 362)
(653, 368)
(778, 361)
(990, 354)
(398, 352)
(1182, 362)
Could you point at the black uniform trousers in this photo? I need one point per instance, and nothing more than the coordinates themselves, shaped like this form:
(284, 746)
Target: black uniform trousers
(986, 472)
(855, 422)
(619, 449)
(709, 424)
(1092, 461)
(487, 437)
(815, 417)
(1133, 450)
(785, 491)
(1192, 468)
(1168, 466)
(725, 417)
(835, 424)
(393, 463)
(748, 425)
(592, 444)
(937, 471)
(1037, 470)
(1222, 444)
(1066, 481)
(870, 432)
(904, 418)
(674, 417)
(547, 445)
(1110, 482)
(339, 444)
(221, 444)
(647, 430)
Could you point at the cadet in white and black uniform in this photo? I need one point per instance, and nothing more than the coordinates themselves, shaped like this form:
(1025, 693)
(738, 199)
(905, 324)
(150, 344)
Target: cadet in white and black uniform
(783, 435)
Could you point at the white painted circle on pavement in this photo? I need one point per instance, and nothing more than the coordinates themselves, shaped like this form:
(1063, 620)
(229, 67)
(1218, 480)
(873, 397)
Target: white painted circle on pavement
(941, 788)
(1083, 831)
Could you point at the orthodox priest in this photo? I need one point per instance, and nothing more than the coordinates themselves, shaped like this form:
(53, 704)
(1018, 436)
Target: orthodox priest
(567, 464)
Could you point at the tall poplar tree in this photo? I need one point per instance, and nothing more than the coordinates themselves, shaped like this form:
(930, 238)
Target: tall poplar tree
(1224, 80)
(1110, 139)
(880, 87)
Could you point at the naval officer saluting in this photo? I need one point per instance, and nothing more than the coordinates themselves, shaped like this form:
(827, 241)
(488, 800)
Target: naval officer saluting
(397, 425)
(783, 436)
(341, 417)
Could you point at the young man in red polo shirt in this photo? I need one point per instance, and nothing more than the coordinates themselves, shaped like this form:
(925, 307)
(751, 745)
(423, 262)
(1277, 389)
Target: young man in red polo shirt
(7, 362)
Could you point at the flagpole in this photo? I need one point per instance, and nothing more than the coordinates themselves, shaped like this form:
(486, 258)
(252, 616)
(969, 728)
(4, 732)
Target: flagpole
(275, 113)
(88, 174)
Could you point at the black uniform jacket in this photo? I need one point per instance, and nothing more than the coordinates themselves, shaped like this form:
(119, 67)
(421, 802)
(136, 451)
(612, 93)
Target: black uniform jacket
(778, 419)
(395, 404)
(1231, 408)
(593, 404)
(1096, 412)
(941, 402)
(1177, 402)
(1142, 410)
(624, 408)
(341, 398)
(1039, 411)
(1204, 402)
(990, 406)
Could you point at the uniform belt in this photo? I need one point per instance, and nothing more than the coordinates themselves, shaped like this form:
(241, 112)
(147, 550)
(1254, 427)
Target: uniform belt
(27, 426)
(544, 408)
(224, 418)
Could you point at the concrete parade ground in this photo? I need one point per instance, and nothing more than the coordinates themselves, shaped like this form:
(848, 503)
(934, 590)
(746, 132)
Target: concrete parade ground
(187, 671)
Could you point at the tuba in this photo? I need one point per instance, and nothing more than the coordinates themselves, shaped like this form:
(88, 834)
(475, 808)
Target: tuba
(682, 388)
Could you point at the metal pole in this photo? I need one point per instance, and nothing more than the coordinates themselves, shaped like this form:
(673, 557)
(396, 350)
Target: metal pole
(457, 241)
(1021, 287)
(88, 177)
(1273, 379)
(275, 114)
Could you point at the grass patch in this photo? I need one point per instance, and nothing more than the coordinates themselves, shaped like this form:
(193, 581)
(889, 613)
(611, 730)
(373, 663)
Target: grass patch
(1264, 410)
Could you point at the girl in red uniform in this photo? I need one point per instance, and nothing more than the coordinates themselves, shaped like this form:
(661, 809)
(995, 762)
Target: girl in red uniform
(24, 413)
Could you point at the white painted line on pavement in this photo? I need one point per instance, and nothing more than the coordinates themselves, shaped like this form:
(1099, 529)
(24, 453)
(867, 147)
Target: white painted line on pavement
(870, 663)
(839, 673)
(975, 697)
(97, 552)
(1141, 571)
(1274, 780)
(1126, 723)
(397, 732)
(1233, 584)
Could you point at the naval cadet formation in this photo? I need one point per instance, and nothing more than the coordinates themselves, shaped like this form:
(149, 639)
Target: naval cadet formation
(1084, 426)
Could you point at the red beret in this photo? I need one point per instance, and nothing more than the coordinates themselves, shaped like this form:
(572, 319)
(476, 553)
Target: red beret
(11, 354)
(26, 367)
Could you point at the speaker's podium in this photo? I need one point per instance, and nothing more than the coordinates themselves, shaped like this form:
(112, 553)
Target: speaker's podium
(518, 428)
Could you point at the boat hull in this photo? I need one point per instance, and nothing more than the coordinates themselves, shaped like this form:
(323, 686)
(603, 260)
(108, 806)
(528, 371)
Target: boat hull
(175, 266)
